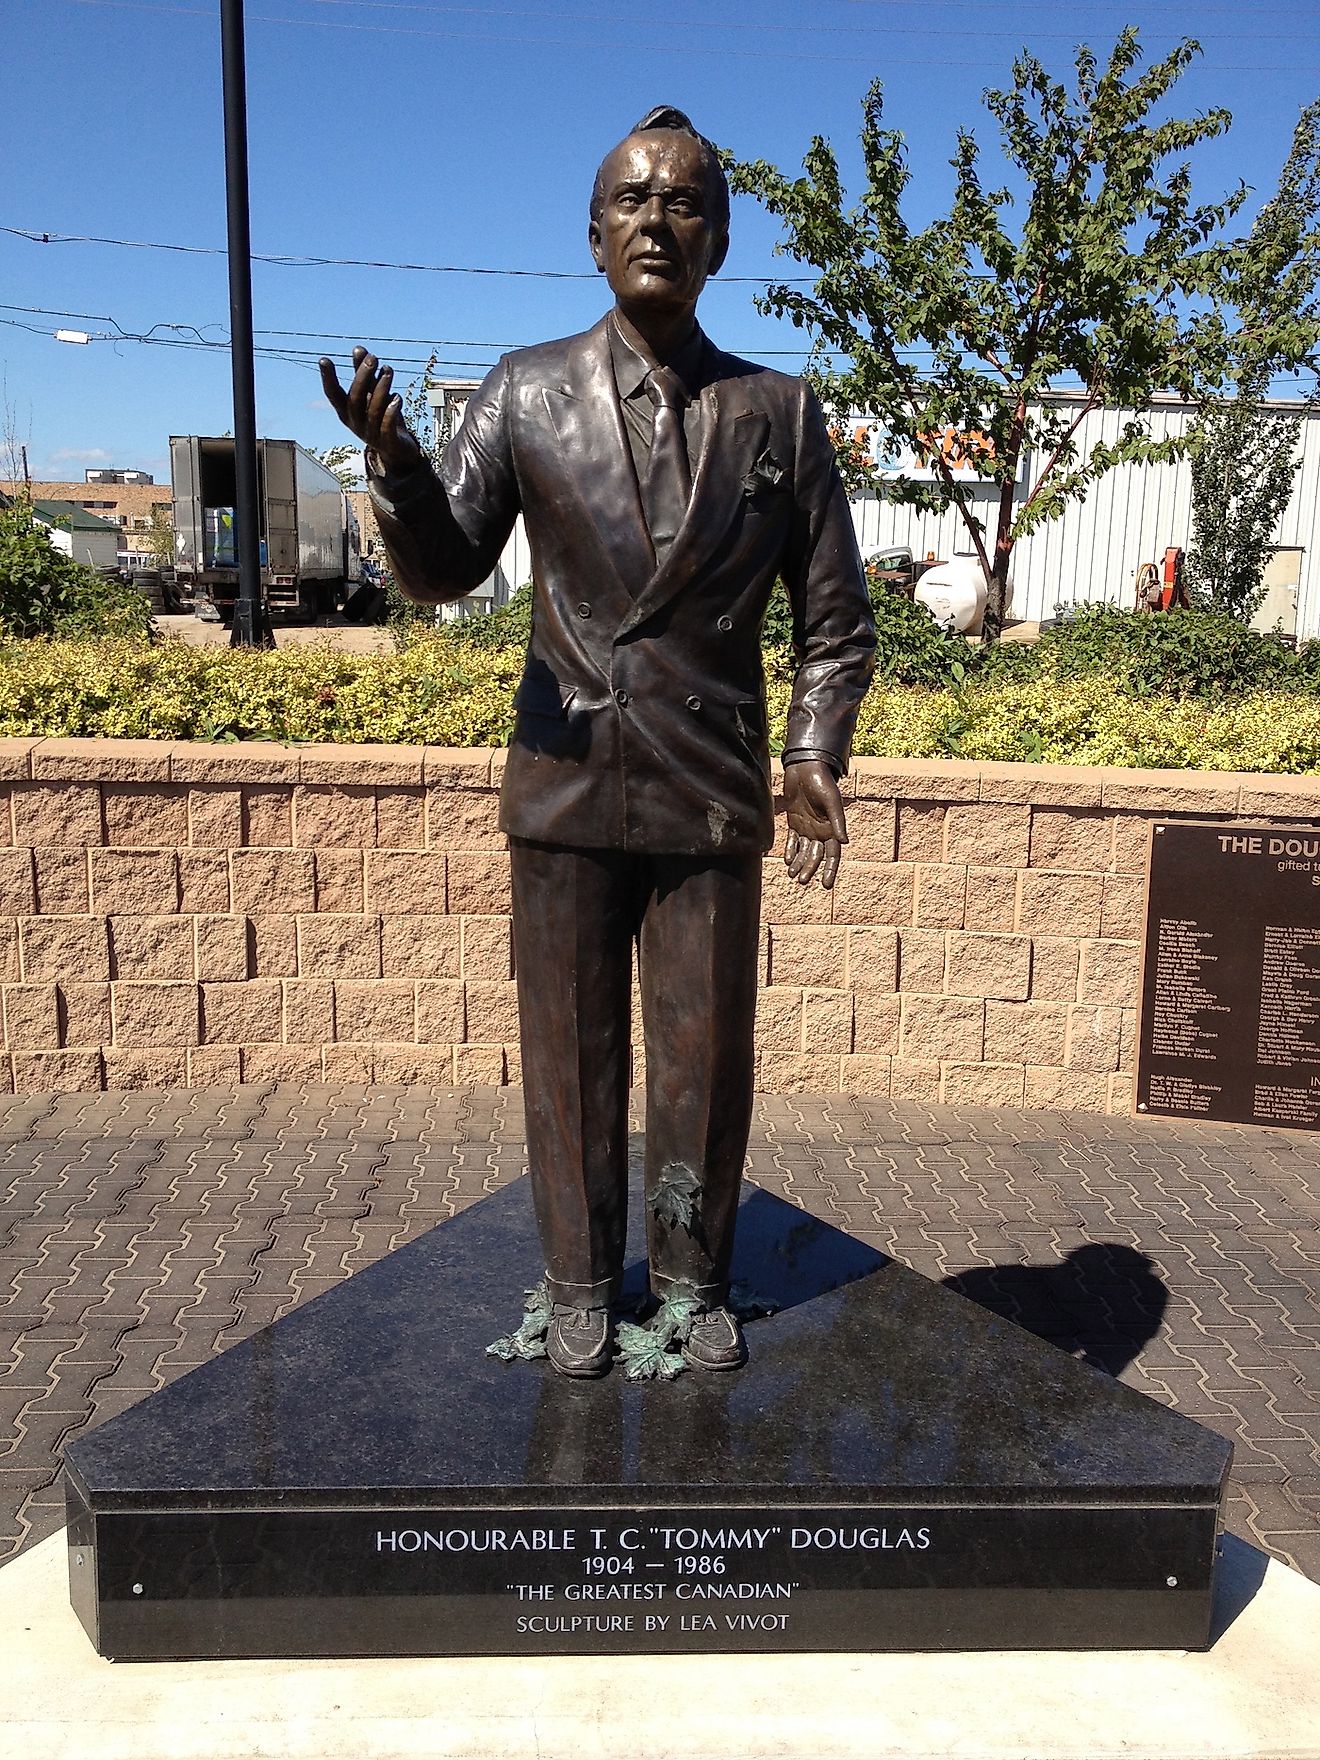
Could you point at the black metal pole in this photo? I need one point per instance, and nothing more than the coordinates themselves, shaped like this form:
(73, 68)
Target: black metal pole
(251, 626)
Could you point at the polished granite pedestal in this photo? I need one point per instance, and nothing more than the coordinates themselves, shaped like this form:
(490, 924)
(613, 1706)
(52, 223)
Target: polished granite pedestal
(896, 1469)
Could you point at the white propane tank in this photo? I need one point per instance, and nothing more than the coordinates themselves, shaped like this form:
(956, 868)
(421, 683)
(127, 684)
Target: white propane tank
(954, 593)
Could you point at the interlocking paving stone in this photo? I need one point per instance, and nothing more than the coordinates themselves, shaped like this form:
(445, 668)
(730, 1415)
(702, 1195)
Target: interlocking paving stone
(141, 1233)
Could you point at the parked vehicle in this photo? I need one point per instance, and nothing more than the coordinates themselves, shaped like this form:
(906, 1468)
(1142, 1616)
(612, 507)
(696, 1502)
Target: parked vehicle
(309, 540)
(896, 567)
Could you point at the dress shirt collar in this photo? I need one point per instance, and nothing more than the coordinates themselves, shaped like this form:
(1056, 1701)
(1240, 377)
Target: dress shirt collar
(631, 368)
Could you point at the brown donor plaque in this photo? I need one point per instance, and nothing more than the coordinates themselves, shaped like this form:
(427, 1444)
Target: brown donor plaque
(1230, 991)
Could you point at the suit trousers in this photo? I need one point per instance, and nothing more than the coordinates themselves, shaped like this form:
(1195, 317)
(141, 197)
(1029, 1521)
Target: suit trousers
(694, 920)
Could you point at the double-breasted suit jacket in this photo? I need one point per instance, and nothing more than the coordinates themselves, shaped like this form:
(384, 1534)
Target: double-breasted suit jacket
(641, 714)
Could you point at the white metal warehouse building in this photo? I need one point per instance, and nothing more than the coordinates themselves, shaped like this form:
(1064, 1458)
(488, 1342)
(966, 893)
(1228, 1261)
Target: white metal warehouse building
(1132, 515)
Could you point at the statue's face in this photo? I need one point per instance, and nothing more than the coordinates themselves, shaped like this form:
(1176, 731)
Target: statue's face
(656, 239)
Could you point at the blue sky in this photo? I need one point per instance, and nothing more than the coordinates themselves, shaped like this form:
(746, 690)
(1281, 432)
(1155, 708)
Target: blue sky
(467, 135)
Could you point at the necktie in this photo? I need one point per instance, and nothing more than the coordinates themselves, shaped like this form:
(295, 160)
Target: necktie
(668, 484)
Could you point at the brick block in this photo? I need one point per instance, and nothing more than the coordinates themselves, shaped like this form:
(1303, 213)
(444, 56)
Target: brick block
(10, 969)
(1127, 1039)
(1132, 842)
(989, 965)
(866, 892)
(1110, 972)
(871, 830)
(421, 947)
(478, 885)
(941, 895)
(64, 948)
(62, 1072)
(84, 1014)
(1123, 917)
(876, 1023)
(255, 761)
(57, 813)
(16, 757)
(779, 1019)
(339, 879)
(273, 946)
(983, 1084)
(273, 879)
(1026, 1032)
(31, 1017)
(134, 882)
(242, 1014)
(461, 818)
(487, 948)
(441, 1012)
(1055, 785)
(513, 1065)
(492, 1012)
(432, 1065)
(281, 1063)
(920, 831)
(1051, 898)
(1205, 794)
(309, 1011)
(268, 815)
(909, 1080)
(479, 1064)
(1070, 1090)
(102, 760)
(338, 947)
(1122, 1088)
(1077, 838)
(827, 1021)
(353, 1063)
(788, 1072)
(805, 954)
(917, 779)
(400, 818)
(62, 885)
(214, 1066)
(938, 1027)
(221, 951)
(783, 900)
(374, 766)
(6, 814)
(457, 766)
(1054, 964)
(156, 1066)
(1094, 1037)
(988, 835)
(151, 947)
(872, 959)
(215, 816)
(407, 882)
(203, 881)
(147, 814)
(991, 898)
(150, 1014)
(18, 894)
(867, 1074)
(374, 1011)
(921, 960)
(338, 815)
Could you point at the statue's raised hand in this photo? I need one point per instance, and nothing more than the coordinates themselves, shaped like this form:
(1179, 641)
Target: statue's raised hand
(372, 410)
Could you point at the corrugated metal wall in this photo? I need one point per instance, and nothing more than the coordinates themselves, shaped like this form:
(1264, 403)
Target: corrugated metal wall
(1131, 515)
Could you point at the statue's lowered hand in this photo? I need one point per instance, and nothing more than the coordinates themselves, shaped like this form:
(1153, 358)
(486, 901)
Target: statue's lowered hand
(372, 410)
(817, 829)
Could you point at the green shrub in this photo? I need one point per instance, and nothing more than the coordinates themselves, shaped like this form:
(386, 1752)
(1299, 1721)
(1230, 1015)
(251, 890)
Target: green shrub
(1172, 654)
(43, 592)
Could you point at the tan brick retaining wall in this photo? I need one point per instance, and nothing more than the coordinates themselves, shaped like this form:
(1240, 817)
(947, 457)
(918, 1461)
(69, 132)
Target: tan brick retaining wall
(190, 914)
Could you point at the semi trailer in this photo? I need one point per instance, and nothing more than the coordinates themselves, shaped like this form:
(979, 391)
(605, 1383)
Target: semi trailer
(310, 546)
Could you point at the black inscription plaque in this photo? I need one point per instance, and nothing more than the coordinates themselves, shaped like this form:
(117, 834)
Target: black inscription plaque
(896, 1469)
(1230, 996)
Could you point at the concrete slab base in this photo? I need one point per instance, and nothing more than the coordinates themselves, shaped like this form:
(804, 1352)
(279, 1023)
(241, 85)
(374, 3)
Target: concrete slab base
(1255, 1694)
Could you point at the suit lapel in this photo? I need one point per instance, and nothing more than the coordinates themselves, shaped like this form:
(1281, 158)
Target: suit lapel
(597, 459)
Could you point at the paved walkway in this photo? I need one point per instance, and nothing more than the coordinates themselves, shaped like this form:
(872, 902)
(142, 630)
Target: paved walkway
(142, 1232)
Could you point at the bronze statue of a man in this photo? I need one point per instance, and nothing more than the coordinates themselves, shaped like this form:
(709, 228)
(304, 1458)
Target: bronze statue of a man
(665, 486)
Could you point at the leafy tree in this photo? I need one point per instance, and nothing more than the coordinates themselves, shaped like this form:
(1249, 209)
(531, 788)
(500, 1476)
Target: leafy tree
(1244, 452)
(345, 461)
(158, 540)
(1091, 264)
(43, 592)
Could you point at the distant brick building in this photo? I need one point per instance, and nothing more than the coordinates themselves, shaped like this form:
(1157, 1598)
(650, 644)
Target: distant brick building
(126, 505)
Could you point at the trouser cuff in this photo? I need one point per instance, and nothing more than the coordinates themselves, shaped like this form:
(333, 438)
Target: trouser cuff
(710, 1295)
(582, 1295)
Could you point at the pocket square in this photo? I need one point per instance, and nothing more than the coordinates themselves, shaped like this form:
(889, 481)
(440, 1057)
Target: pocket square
(766, 473)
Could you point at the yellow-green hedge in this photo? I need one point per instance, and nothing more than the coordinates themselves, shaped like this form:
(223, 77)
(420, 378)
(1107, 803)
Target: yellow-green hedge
(455, 694)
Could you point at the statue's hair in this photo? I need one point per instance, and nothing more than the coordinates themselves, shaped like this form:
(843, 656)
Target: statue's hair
(665, 116)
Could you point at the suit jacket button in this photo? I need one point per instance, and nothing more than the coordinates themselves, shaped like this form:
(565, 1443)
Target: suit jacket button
(694, 703)
(584, 610)
(725, 623)
(621, 698)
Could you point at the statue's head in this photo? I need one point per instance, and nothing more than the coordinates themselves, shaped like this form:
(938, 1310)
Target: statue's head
(660, 214)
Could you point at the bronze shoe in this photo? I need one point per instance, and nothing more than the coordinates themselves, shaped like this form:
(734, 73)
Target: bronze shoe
(580, 1342)
(715, 1341)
